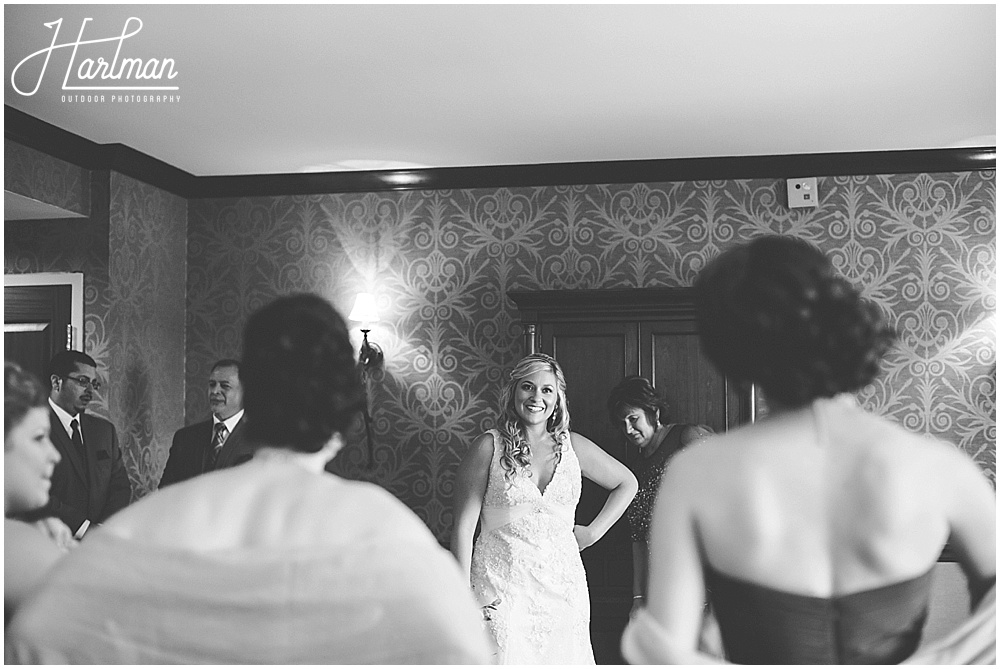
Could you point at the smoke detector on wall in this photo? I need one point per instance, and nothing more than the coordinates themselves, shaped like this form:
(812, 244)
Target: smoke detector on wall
(803, 193)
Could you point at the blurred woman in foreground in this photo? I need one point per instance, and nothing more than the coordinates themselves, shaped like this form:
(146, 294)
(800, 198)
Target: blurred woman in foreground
(29, 459)
(273, 561)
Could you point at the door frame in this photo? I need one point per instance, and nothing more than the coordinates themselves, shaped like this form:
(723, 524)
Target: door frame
(73, 279)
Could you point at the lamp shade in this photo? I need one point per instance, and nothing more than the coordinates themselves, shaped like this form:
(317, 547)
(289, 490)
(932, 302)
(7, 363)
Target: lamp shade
(364, 309)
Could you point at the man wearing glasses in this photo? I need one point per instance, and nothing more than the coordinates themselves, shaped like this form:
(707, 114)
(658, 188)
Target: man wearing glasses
(89, 482)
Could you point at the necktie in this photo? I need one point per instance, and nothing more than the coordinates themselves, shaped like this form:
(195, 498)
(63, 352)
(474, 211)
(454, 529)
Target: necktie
(77, 437)
(218, 438)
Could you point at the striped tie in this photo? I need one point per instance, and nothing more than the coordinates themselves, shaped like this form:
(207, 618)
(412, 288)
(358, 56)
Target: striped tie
(218, 439)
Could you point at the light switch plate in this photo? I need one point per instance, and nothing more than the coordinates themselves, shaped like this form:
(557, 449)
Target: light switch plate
(803, 193)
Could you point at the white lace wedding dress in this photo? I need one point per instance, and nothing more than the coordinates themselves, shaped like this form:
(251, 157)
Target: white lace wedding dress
(527, 557)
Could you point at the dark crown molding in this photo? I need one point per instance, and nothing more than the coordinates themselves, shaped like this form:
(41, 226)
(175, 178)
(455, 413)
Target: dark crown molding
(37, 134)
(64, 145)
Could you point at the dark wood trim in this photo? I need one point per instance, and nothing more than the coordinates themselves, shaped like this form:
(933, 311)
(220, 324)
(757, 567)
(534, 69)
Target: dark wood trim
(34, 133)
(47, 138)
(610, 172)
(604, 304)
(64, 145)
(153, 171)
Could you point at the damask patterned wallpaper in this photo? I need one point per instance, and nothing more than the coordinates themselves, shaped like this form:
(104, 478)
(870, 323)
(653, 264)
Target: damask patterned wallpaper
(441, 262)
(147, 290)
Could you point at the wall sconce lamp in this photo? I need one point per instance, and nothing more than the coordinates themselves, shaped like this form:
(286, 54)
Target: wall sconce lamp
(369, 359)
(364, 311)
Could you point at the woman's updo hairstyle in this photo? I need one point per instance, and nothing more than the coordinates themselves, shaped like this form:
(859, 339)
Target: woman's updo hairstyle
(300, 380)
(775, 313)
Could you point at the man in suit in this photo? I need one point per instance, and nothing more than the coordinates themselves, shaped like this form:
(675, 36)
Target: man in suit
(216, 443)
(89, 482)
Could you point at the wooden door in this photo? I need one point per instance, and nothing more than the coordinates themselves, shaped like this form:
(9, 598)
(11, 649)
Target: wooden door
(594, 358)
(36, 324)
(670, 356)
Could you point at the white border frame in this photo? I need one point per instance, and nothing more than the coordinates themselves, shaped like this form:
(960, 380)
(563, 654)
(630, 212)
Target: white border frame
(72, 279)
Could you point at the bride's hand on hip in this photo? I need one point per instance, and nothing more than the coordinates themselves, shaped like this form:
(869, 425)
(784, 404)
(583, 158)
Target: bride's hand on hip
(584, 536)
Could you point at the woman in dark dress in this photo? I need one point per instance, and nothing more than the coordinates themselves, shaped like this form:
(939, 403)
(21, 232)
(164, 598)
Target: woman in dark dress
(817, 528)
(636, 409)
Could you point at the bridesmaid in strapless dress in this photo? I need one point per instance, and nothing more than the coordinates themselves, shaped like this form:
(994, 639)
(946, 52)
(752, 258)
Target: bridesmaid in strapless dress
(816, 528)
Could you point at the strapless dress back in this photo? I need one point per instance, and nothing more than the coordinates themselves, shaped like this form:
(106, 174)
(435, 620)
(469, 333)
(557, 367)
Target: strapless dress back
(761, 625)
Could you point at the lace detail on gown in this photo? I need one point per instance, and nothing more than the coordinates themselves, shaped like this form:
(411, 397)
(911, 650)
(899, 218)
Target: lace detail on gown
(527, 556)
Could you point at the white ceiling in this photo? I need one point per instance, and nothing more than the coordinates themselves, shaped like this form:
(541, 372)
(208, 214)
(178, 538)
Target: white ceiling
(269, 89)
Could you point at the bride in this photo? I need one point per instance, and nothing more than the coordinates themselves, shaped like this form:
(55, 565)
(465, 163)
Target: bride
(522, 482)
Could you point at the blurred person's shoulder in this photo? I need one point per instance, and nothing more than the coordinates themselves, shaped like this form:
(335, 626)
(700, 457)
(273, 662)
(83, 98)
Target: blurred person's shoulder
(692, 434)
(372, 511)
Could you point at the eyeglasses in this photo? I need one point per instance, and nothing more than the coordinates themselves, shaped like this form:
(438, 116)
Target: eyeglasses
(83, 382)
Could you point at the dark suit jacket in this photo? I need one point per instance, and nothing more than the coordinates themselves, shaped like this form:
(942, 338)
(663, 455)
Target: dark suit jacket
(90, 488)
(191, 446)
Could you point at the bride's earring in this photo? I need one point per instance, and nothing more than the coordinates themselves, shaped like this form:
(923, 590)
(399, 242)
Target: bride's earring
(551, 422)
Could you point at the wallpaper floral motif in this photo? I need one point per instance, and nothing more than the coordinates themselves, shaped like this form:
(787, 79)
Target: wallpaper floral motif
(147, 286)
(441, 262)
(42, 177)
